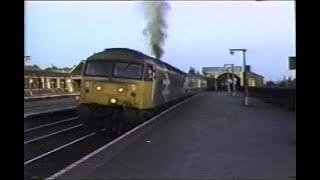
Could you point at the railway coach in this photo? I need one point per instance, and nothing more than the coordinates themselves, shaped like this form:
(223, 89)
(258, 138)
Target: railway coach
(121, 86)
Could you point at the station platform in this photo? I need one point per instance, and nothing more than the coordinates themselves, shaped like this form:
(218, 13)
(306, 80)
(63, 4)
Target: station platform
(49, 96)
(49, 104)
(211, 135)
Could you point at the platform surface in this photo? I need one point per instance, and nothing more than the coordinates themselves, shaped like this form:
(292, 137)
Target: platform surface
(43, 105)
(210, 136)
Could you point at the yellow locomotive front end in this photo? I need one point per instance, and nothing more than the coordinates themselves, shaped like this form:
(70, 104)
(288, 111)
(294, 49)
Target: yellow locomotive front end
(114, 89)
(116, 93)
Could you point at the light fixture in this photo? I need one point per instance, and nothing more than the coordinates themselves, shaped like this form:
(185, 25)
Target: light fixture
(98, 88)
(113, 100)
(120, 90)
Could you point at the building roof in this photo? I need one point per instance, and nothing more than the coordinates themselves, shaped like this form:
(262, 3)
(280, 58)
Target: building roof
(32, 68)
(28, 72)
(254, 74)
(219, 69)
(208, 70)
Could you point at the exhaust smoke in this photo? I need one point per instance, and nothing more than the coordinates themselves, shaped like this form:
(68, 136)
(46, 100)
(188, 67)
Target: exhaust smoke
(155, 31)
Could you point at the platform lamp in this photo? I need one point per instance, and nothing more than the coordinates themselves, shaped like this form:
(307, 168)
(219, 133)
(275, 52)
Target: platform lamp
(244, 76)
(27, 59)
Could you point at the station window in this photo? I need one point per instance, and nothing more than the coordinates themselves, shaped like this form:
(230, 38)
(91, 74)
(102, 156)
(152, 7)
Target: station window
(53, 83)
(62, 84)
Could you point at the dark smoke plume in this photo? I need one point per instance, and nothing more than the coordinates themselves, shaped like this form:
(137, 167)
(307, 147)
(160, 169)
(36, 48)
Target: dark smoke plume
(156, 26)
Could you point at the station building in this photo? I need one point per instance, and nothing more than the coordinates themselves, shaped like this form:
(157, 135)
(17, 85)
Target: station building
(220, 76)
(39, 82)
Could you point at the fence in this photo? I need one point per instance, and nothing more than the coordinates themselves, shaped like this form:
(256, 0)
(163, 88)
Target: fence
(285, 97)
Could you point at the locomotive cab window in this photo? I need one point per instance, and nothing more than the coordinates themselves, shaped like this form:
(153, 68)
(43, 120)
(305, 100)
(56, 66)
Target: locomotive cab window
(99, 69)
(128, 70)
(149, 73)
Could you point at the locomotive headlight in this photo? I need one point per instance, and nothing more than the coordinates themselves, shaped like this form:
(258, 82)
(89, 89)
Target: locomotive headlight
(113, 100)
(98, 88)
(133, 87)
(120, 90)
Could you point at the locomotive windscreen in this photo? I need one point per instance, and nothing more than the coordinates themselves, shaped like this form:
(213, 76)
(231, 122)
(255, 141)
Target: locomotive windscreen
(99, 69)
(114, 69)
(128, 70)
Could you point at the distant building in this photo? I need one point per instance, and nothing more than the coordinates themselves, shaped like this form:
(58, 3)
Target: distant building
(75, 75)
(221, 74)
(38, 81)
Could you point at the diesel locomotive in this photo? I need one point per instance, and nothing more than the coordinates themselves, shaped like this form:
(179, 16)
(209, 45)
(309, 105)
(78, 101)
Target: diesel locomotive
(121, 86)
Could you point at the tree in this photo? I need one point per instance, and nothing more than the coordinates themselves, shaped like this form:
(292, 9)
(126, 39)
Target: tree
(192, 71)
(270, 83)
(36, 66)
(56, 69)
(283, 84)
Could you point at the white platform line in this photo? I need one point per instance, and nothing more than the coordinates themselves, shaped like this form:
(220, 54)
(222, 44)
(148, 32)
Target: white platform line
(57, 149)
(68, 168)
(48, 97)
(57, 132)
(46, 125)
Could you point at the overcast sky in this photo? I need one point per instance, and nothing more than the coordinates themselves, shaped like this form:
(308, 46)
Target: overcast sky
(199, 33)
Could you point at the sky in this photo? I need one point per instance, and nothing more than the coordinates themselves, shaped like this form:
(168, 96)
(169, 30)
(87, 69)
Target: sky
(199, 34)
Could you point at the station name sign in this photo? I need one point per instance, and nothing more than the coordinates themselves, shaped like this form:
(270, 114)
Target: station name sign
(292, 63)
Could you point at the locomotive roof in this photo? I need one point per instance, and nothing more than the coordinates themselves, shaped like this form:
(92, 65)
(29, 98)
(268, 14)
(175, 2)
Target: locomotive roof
(120, 53)
(126, 53)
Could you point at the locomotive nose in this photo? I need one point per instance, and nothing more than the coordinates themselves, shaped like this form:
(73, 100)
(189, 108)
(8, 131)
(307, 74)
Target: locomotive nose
(109, 93)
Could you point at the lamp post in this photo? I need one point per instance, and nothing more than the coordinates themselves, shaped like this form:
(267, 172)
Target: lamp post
(26, 59)
(244, 76)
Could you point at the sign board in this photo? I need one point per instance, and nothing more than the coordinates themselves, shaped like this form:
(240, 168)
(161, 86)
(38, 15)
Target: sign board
(248, 68)
(221, 69)
(292, 63)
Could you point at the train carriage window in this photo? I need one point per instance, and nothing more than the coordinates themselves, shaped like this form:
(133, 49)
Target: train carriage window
(128, 70)
(149, 73)
(99, 69)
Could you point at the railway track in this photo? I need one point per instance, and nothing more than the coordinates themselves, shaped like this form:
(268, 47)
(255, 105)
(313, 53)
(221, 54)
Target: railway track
(49, 128)
(52, 161)
(50, 147)
(36, 120)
